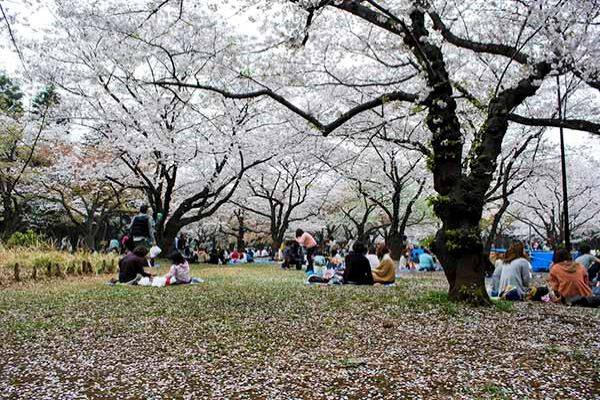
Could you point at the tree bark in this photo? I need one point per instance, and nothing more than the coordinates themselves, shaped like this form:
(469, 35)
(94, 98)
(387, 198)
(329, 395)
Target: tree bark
(396, 245)
(495, 224)
(275, 246)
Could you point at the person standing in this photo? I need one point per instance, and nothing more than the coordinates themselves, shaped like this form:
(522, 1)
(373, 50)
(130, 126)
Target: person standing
(141, 228)
(309, 243)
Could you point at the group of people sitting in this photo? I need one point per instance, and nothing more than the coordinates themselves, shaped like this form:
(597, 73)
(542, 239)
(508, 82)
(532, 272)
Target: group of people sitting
(236, 256)
(568, 282)
(132, 268)
(356, 268)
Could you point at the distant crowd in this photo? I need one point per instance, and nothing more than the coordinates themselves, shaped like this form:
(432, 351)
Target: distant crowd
(575, 282)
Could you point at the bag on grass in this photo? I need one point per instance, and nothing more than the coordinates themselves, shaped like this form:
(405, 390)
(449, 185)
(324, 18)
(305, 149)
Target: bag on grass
(145, 281)
(154, 251)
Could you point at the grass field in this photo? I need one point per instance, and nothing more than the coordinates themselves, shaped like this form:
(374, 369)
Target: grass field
(257, 332)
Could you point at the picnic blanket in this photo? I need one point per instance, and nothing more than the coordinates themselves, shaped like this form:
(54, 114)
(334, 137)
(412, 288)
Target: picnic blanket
(158, 281)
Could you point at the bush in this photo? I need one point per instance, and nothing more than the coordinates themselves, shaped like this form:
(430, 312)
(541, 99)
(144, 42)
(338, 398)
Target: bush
(25, 239)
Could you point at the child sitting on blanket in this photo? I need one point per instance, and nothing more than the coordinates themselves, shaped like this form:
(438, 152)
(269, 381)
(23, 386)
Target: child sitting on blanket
(180, 270)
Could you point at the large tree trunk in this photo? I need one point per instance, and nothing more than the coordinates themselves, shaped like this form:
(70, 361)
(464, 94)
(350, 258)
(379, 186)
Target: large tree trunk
(241, 245)
(396, 245)
(360, 234)
(167, 241)
(459, 247)
(275, 245)
(11, 217)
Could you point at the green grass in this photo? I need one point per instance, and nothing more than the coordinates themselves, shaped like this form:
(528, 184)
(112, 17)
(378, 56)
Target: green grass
(259, 332)
(503, 305)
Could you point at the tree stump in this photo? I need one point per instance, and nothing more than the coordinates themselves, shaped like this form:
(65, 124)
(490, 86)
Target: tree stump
(17, 273)
(87, 267)
(58, 272)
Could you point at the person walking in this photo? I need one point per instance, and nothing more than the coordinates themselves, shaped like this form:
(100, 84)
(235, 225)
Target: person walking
(141, 228)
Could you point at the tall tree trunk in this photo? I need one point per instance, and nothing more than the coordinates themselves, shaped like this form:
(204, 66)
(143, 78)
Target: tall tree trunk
(396, 245)
(276, 245)
(11, 216)
(167, 242)
(495, 224)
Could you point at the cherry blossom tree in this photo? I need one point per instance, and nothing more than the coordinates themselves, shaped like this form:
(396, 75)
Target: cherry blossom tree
(539, 204)
(430, 62)
(23, 131)
(186, 153)
(284, 192)
(447, 79)
(76, 182)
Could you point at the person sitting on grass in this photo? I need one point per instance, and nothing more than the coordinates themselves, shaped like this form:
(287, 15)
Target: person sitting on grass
(131, 266)
(585, 258)
(567, 278)
(234, 257)
(498, 260)
(372, 257)
(249, 255)
(358, 269)
(385, 272)
(515, 275)
(180, 270)
(292, 255)
(335, 261)
(426, 262)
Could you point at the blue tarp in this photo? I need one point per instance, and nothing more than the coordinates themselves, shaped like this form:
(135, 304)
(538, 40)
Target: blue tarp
(540, 260)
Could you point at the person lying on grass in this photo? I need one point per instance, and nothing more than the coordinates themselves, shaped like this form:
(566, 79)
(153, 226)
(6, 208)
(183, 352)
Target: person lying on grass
(180, 270)
(131, 266)
(385, 272)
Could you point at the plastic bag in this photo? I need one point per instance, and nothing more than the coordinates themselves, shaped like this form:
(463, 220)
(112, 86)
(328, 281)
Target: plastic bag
(145, 281)
(159, 281)
(154, 251)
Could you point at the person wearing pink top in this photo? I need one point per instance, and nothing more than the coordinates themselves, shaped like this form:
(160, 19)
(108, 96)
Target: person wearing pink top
(180, 270)
(309, 243)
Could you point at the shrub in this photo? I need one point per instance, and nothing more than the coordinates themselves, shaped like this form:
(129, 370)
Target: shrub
(25, 239)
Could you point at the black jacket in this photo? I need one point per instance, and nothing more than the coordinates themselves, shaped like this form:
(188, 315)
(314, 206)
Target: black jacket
(130, 266)
(140, 226)
(358, 270)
